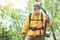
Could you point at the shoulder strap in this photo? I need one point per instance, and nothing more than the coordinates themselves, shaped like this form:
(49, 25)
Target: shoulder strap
(30, 18)
(42, 17)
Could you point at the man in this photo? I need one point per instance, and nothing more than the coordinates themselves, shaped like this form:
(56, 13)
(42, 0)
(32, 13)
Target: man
(33, 29)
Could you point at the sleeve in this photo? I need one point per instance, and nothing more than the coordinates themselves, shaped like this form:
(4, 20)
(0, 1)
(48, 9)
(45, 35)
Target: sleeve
(26, 25)
(46, 17)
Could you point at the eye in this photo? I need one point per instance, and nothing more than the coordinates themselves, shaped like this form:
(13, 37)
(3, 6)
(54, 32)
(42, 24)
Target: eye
(35, 6)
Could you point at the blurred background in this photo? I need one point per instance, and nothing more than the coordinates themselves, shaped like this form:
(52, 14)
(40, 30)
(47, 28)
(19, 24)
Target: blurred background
(14, 12)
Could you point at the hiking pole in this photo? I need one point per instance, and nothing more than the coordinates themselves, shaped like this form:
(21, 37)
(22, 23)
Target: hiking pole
(44, 29)
(53, 33)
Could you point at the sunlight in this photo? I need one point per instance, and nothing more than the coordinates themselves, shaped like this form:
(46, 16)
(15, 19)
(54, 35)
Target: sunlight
(16, 3)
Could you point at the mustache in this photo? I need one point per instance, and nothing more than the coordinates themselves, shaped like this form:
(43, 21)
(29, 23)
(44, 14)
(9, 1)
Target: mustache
(36, 11)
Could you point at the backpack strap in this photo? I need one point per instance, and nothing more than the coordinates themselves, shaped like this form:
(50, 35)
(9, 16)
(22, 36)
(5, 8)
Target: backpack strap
(34, 20)
(41, 20)
(30, 19)
(42, 17)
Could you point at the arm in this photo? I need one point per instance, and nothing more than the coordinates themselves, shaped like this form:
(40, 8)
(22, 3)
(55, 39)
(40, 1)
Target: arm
(26, 25)
(25, 28)
(46, 17)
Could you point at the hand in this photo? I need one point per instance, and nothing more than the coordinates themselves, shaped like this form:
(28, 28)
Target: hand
(47, 18)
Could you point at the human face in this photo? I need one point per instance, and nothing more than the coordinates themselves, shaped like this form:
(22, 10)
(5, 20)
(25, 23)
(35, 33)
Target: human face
(36, 7)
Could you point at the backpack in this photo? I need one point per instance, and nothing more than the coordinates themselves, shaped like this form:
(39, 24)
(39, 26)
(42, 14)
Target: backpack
(44, 28)
(33, 19)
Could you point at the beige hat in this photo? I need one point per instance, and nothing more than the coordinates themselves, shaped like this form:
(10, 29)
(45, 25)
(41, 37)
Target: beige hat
(39, 4)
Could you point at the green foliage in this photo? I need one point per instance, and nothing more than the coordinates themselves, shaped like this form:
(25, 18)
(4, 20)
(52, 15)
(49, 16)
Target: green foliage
(10, 19)
(12, 30)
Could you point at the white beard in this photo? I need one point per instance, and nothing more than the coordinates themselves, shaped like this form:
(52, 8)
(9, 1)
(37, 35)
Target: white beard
(36, 11)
